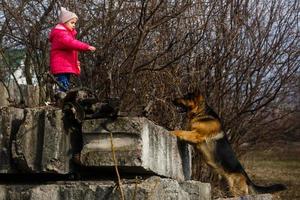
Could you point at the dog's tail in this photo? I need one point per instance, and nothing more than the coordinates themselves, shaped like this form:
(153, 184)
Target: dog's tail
(268, 189)
(264, 189)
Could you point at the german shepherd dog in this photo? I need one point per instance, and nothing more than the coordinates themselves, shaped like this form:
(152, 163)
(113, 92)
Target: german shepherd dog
(206, 135)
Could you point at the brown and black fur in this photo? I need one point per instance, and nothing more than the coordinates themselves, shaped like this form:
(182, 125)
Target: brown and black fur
(206, 135)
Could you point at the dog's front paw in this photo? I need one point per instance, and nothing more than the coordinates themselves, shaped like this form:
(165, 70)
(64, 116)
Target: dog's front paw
(174, 133)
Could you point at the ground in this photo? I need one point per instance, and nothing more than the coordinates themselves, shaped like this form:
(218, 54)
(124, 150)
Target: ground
(278, 162)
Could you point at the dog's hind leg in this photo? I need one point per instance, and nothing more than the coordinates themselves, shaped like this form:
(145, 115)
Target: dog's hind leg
(189, 136)
(237, 184)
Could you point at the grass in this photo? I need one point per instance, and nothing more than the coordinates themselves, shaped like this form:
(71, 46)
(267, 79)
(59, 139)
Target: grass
(278, 164)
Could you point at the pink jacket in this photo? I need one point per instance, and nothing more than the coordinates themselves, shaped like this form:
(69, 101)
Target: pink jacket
(64, 50)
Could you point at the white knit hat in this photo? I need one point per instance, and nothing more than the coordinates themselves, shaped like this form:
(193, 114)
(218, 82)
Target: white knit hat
(66, 15)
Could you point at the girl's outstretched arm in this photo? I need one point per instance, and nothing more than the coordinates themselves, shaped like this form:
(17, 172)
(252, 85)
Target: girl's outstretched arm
(67, 42)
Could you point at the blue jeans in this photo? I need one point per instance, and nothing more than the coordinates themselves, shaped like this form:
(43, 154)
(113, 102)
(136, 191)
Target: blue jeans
(64, 80)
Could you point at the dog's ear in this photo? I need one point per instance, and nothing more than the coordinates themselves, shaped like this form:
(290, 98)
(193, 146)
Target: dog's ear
(197, 92)
(190, 95)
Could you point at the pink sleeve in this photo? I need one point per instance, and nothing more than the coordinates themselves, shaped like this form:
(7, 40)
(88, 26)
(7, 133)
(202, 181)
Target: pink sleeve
(67, 42)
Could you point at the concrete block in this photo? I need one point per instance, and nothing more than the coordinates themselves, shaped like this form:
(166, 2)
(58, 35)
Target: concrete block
(153, 188)
(50, 192)
(250, 197)
(57, 152)
(140, 147)
(10, 121)
(41, 144)
(2, 192)
(197, 190)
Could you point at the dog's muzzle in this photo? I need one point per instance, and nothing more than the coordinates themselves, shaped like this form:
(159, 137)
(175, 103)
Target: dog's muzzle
(179, 106)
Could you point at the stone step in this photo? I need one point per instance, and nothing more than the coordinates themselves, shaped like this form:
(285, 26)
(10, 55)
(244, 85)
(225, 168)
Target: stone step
(153, 188)
(250, 197)
(38, 140)
(140, 146)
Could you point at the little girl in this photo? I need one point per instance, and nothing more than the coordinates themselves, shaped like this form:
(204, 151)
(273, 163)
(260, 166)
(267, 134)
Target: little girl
(64, 49)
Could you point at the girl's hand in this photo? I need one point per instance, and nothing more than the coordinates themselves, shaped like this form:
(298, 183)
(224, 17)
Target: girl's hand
(78, 65)
(91, 48)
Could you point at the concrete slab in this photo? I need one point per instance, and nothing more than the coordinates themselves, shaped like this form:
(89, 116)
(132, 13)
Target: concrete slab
(41, 144)
(250, 197)
(153, 188)
(10, 122)
(139, 144)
